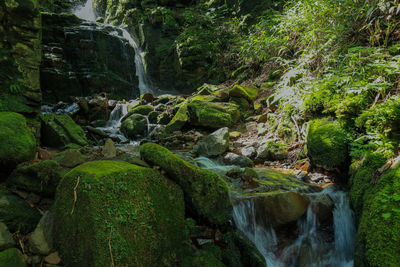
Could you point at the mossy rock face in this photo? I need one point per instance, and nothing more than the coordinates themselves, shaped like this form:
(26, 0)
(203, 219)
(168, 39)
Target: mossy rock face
(247, 92)
(327, 144)
(17, 215)
(12, 257)
(131, 210)
(272, 150)
(240, 251)
(179, 120)
(41, 178)
(17, 143)
(202, 258)
(61, 130)
(206, 193)
(142, 109)
(213, 115)
(134, 126)
(378, 234)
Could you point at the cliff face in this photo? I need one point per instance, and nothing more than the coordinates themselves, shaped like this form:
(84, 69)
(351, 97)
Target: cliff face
(20, 57)
(82, 58)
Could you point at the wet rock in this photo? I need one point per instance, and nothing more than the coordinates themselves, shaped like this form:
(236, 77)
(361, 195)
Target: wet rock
(164, 118)
(12, 257)
(109, 149)
(134, 126)
(6, 238)
(206, 193)
(70, 158)
(213, 115)
(214, 144)
(281, 207)
(249, 151)
(238, 160)
(41, 240)
(272, 150)
(76, 61)
(41, 178)
(61, 130)
(17, 142)
(17, 214)
(153, 116)
(53, 258)
(134, 207)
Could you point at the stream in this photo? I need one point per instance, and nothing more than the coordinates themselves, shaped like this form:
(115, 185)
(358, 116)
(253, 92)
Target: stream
(310, 244)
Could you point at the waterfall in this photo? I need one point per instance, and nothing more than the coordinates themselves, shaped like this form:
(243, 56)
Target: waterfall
(86, 12)
(309, 248)
(114, 122)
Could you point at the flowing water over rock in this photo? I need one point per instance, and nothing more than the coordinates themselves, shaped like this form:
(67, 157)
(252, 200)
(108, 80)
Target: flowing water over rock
(86, 12)
(323, 236)
(312, 247)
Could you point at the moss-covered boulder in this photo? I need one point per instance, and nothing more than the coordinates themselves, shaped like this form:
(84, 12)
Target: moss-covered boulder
(327, 145)
(134, 126)
(272, 150)
(142, 109)
(179, 120)
(17, 214)
(247, 92)
(17, 143)
(61, 130)
(41, 178)
(109, 211)
(213, 115)
(12, 257)
(70, 158)
(206, 193)
(378, 211)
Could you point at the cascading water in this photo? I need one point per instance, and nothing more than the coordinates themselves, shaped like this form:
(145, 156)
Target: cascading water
(309, 248)
(86, 12)
(114, 122)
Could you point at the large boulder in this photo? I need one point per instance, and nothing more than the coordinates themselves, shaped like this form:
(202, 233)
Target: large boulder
(206, 193)
(213, 115)
(17, 143)
(213, 145)
(327, 145)
(41, 178)
(17, 214)
(61, 130)
(272, 150)
(134, 126)
(378, 212)
(6, 238)
(109, 211)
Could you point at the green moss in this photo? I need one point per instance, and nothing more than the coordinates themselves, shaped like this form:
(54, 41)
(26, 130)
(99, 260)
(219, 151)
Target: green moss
(247, 92)
(61, 130)
(179, 120)
(132, 210)
(202, 259)
(143, 109)
(12, 258)
(206, 193)
(134, 126)
(275, 180)
(41, 178)
(327, 144)
(17, 143)
(379, 229)
(17, 215)
(213, 115)
(363, 173)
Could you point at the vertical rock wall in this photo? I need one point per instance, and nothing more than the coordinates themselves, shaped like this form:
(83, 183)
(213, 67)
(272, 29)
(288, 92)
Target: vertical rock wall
(20, 57)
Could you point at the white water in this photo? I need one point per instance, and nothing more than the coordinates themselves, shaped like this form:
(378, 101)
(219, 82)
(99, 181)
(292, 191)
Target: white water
(114, 122)
(309, 249)
(86, 12)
